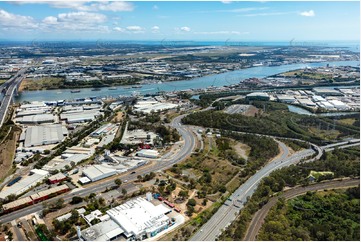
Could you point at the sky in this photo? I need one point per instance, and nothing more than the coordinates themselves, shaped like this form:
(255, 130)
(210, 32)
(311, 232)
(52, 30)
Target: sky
(151, 20)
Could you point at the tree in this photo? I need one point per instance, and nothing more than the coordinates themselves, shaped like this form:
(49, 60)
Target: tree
(74, 215)
(118, 182)
(59, 203)
(191, 202)
(183, 194)
(76, 200)
(222, 189)
(124, 191)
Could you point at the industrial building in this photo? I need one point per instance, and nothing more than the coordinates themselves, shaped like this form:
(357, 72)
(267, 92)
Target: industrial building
(148, 153)
(25, 183)
(40, 196)
(151, 105)
(326, 91)
(36, 119)
(98, 172)
(138, 136)
(43, 135)
(135, 219)
(81, 116)
(105, 129)
(285, 98)
(339, 105)
(59, 177)
(105, 231)
(260, 96)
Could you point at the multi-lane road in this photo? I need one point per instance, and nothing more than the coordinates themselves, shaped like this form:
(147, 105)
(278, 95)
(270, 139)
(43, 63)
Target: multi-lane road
(188, 144)
(259, 217)
(230, 209)
(10, 86)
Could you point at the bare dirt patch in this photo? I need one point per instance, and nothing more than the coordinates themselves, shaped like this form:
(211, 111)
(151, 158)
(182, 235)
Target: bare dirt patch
(242, 149)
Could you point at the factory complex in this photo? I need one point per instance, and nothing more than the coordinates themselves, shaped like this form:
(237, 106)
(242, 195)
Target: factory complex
(328, 99)
(136, 219)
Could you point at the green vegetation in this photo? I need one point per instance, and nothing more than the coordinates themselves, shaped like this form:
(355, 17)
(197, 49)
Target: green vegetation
(295, 145)
(152, 122)
(277, 121)
(43, 233)
(219, 171)
(342, 163)
(76, 200)
(324, 216)
(48, 83)
(63, 227)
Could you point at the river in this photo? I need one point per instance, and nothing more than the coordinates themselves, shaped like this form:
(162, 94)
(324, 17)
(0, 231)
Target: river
(219, 80)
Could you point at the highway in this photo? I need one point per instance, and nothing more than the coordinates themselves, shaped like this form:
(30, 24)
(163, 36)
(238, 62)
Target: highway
(259, 217)
(230, 209)
(11, 85)
(189, 141)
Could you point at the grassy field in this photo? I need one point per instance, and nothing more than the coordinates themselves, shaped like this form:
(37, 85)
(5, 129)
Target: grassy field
(347, 121)
(41, 84)
(212, 171)
(306, 75)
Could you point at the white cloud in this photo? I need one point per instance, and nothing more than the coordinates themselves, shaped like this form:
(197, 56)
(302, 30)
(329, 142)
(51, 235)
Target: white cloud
(9, 20)
(50, 20)
(119, 29)
(76, 21)
(135, 29)
(185, 29)
(155, 29)
(226, 1)
(155, 7)
(310, 13)
(82, 17)
(114, 6)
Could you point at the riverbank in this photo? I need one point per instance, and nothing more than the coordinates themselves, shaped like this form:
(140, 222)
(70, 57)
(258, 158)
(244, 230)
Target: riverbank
(218, 80)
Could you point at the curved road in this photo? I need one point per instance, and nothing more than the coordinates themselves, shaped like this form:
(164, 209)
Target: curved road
(259, 217)
(230, 209)
(189, 142)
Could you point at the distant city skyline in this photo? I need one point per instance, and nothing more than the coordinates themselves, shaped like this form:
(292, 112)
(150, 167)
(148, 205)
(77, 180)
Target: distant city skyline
(198, 21)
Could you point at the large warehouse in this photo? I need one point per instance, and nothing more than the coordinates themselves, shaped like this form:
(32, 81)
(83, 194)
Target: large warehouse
(98, 172)
(36, 119)
(44, 135)
(134, 219)
(25, 183)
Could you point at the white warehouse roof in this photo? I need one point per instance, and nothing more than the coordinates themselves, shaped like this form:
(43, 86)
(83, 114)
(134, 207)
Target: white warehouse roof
(103, 231)
(139, 216)
(25, 183)
(44, 135)
(39, 118)
(98, 172)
